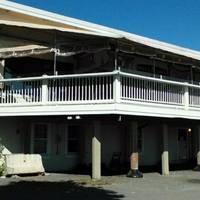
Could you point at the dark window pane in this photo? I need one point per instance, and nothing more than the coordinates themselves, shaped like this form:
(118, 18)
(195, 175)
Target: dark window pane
(40, 146)
(40, 131)
(73, 146)
(73, 132)
(182, 134)
(73, 138)
(40, 138)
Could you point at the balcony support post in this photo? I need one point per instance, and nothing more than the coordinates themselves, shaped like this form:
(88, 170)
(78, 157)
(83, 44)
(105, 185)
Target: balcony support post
(134, 155)
(165, 152)
(117, 88)
(44, 89)
(96, 151)
(2, 66)
(186, 97)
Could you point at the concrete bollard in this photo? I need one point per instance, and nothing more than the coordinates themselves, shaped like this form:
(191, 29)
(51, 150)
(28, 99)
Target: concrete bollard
(197, 168)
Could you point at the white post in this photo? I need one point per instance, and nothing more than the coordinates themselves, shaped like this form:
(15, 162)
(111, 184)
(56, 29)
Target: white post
(96, 152)
(165, 153)
(117, 88)
(186, 97)
(2, 66)
(44, 89)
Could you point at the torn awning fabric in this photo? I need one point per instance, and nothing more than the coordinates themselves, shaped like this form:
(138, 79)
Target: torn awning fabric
(11, 47)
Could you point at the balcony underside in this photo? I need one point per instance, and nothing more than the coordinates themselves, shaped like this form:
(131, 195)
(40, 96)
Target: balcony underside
(133, 108)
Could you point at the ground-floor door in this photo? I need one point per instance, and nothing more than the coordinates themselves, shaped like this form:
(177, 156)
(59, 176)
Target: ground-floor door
(184, 142)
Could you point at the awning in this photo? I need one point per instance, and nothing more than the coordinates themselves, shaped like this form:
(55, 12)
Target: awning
(48, 27)
(13, 9)
(11, 47)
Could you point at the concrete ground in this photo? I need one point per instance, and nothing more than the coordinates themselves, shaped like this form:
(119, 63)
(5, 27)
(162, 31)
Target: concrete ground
(178, 185)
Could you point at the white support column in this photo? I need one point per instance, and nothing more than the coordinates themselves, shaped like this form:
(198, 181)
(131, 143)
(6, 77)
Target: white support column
(2, 67)
(165, 153)
(133, 136)
(186, 97)
(44, 89)
(134, 156)
(96, 151)
(117, 88)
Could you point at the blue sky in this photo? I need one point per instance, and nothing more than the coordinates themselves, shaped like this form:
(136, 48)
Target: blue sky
(173, 21)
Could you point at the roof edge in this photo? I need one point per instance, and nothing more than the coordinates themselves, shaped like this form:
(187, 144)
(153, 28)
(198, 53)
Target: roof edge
(99, 29)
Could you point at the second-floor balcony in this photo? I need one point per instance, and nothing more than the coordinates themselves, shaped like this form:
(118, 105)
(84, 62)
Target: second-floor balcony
(114, 92)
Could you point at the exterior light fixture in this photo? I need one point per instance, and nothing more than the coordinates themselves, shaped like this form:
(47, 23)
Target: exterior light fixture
(189, 131)
(69, 117)
(77, 117)
(119, 118)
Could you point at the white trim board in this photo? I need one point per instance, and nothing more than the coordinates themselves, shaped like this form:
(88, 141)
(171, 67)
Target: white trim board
(123, 108)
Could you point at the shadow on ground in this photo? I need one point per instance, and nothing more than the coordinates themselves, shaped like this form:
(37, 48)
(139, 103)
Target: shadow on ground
(66, 190)
(194, 181)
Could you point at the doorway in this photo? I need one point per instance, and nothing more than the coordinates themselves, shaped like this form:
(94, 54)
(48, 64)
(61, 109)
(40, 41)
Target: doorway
(184, 142)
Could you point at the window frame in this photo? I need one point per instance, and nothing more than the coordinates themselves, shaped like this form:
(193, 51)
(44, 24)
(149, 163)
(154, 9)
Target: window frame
(47, 139)
(67, 140)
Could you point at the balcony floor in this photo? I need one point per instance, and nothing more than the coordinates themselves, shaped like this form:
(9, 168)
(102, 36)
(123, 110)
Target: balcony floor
(110, 107)
(99, 93)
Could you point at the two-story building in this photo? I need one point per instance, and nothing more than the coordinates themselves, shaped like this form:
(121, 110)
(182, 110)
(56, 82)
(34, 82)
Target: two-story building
(82, 94)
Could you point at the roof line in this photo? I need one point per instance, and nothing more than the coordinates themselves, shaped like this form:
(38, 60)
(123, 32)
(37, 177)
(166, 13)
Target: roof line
(103, 30)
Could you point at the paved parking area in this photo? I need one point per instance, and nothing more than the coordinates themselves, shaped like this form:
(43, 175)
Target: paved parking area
(179, 185)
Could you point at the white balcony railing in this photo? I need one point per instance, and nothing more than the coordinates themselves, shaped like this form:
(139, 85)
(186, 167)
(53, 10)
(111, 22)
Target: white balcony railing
(113, 86)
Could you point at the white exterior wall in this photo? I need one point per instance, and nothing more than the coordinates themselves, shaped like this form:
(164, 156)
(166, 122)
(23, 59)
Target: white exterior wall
(11, 135)
(12, 132)
(113, 139)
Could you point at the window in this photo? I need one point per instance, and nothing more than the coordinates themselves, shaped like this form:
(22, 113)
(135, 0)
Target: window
(40, 138)
(73, 139)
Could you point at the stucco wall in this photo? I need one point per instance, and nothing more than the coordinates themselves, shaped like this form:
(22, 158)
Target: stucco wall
(113, 139)
(11, 135)
(12, 132)
(173, 144)
(151, 147)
